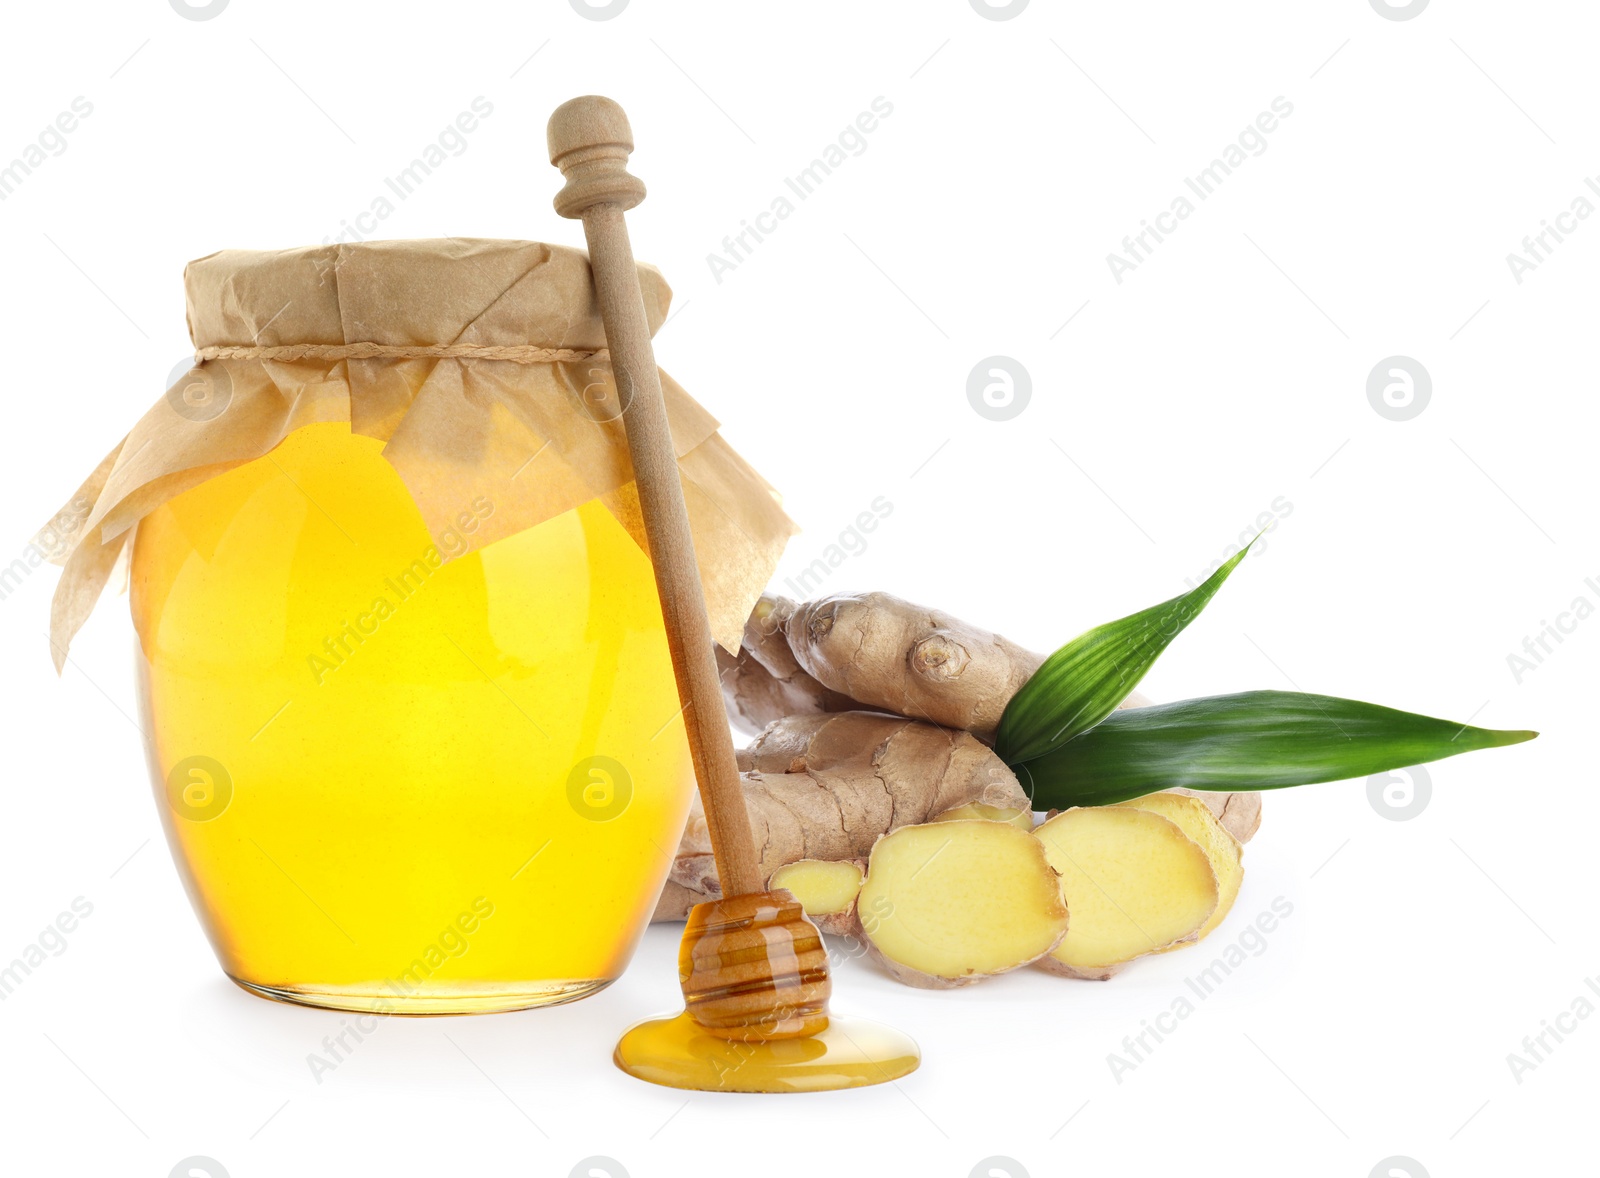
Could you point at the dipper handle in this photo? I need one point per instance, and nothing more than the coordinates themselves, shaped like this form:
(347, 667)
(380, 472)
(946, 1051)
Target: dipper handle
(590, 142)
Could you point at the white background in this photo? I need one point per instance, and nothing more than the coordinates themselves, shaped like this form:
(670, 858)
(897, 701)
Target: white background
(1226, 371)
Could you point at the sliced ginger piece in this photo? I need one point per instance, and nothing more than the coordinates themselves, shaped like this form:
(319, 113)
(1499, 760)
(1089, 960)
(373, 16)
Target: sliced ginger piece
(826, 889)
(950, 903)
(1201, 823)
(1020, 817)
(1134, 882)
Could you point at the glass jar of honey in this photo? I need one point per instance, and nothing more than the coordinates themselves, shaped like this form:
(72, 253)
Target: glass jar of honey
(409, 710)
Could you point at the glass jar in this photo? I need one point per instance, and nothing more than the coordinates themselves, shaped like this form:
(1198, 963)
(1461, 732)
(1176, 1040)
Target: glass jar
(394, 781)
(410, 710)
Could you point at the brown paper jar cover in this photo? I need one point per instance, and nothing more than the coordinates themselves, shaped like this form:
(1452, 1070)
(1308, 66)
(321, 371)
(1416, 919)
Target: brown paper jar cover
(332, 333)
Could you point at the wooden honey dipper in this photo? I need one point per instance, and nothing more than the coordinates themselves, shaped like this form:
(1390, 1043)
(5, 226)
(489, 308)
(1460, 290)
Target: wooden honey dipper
(753, 968)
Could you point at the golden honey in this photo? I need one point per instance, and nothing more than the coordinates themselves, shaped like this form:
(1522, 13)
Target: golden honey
(392, 780)
(678, 1052)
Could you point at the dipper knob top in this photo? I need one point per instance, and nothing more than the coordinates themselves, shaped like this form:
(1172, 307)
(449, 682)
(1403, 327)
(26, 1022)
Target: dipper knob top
(590, 141)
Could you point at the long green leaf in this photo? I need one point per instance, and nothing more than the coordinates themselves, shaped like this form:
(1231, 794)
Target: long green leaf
(1253, 740)
(1083, 682)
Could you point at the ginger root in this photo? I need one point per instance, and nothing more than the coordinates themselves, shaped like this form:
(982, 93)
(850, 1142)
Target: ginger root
(764, 683)
(829, 778)
(825, 786)
(950, 903)
(1133, 881)
(890, 654)
(1240, 813)
(873, 652)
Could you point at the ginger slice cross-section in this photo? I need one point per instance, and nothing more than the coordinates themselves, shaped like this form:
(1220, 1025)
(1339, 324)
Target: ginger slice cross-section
(949, 903)
(1133, 881)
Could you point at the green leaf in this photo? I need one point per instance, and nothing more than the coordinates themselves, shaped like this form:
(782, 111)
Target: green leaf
(1083, 682)
(1253, 740)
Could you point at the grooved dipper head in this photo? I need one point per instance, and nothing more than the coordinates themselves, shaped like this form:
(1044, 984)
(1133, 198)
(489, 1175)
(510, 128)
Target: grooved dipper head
(753, 968)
